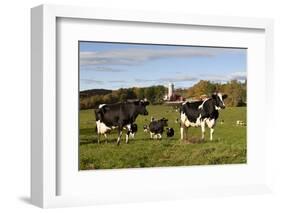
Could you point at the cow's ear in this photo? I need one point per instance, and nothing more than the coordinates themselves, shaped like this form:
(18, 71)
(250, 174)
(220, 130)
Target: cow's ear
(214, 96)
(104, 109)
(224, 96)
(145, 102)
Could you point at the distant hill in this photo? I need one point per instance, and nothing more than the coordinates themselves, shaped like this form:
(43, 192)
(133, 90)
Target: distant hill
(92, 92)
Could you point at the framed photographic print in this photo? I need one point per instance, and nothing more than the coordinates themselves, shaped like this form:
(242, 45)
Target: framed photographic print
(156, 93)
(129, 106)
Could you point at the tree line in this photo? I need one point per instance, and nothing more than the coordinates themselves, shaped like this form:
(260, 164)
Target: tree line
(92, 98)
(236, 91)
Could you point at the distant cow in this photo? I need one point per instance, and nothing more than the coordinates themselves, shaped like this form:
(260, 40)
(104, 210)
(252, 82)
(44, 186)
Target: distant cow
(170, 132)
(145, 128)
(121, 115)
(240, 123)
(156, 127)
(200, 113)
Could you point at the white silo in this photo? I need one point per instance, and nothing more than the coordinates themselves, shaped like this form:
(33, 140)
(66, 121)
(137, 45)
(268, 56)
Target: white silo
(170, 90)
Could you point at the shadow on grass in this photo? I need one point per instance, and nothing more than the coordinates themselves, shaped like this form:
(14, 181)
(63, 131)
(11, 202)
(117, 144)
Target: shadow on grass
(95, 141)
(131, 141)
(86, 140)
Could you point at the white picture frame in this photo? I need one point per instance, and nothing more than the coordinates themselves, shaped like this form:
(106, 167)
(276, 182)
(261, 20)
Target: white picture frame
(44, 153)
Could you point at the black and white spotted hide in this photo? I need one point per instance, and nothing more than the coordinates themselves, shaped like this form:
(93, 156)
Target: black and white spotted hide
(201, 113)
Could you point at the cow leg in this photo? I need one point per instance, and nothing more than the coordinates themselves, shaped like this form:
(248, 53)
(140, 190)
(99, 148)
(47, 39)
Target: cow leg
(105, 136)
(183, 132)
(98, 136)
(151, 135)
(203, 130)
(127, 137)
(98, 130)
(119, 134)
(129, 128)
(211, 124)
(211, 133)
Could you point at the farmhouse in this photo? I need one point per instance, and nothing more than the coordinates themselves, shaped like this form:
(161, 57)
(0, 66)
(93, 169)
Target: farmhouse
(171, 96)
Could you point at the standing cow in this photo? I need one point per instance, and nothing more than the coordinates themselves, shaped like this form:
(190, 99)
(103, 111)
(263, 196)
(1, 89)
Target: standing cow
(121, 115)
(200, 113)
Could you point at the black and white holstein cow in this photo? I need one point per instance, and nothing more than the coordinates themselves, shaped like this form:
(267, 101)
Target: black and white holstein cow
(119, 115)
(156, 127)
(200, 113)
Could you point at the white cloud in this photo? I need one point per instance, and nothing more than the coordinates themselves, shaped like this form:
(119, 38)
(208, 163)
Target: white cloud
(134, 56)
(101, 68)
(238, 76)
(117, 81)
(91, 81)
(180, 79)
(167, 79)
(142, 80)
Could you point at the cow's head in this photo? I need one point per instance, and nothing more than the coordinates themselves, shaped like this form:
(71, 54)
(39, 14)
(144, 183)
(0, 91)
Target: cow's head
(141, 106)
(98, 114)
(218, 100)
(101, 111)
(164, 121)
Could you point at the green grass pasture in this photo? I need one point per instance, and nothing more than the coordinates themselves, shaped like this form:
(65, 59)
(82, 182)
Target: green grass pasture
(228, 146)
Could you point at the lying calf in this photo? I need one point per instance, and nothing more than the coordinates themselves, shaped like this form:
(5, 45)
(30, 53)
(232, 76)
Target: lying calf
(156, 128)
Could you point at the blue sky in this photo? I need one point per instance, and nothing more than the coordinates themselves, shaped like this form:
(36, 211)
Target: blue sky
(122, 65)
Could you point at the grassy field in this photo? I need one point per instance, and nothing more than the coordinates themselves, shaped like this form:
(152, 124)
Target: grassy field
(228, 146)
